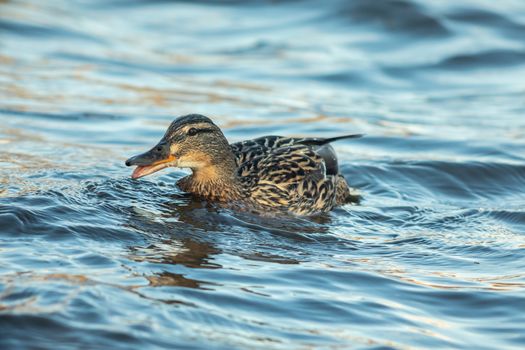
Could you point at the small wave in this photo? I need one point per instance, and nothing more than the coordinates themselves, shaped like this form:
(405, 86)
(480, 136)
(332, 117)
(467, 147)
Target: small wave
(395, 16)
(443, 181)
(47, 31)
(490, 19)
(491, 58)
(81, 116)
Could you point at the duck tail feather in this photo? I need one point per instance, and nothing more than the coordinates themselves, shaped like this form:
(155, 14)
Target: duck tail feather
(320, 142)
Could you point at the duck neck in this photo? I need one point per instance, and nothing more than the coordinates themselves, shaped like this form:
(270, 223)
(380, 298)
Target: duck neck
(216, 180)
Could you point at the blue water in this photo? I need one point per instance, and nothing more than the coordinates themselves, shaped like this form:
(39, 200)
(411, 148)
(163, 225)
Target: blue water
(433, 257)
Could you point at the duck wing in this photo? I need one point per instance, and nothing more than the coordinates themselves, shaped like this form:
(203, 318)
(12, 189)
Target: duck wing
(250, 149)
(292, 178)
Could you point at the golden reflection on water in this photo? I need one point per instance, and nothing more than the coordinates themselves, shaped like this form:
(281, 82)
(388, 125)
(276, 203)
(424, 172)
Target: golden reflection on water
(174, 94)
(187, 252)
(80, 78)
(165, 278)
(493, 283)
(75, 284)
(501, 283)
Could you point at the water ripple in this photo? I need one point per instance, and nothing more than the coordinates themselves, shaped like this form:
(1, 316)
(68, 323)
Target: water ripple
(433, 256)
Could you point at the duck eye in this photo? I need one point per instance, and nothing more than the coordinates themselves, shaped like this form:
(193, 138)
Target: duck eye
(159, 149)
(192, 132)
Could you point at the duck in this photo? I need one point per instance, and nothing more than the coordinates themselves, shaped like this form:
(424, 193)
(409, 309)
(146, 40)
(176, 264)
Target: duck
(266, 175)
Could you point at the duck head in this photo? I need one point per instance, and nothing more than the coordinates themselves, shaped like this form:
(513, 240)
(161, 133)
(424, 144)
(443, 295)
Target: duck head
(192, 141)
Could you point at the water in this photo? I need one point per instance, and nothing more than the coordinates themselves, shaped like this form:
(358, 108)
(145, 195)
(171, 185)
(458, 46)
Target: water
(434, 256)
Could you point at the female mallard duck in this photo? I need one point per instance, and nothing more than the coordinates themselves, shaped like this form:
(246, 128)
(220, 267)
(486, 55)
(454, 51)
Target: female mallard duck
(270, 173)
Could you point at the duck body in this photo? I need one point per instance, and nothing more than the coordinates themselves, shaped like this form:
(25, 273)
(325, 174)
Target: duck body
(270, 174)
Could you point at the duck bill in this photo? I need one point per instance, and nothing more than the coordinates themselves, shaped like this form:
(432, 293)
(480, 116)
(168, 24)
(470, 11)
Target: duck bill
(148, 163)
(144, 170)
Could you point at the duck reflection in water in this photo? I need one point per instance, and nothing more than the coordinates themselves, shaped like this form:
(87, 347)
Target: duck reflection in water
(188, 233)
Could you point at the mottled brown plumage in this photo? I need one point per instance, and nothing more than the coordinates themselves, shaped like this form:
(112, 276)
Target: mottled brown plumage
(269, 174)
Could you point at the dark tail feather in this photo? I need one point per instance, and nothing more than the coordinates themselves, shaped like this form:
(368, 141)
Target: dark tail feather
(337, 138)
(320, 142)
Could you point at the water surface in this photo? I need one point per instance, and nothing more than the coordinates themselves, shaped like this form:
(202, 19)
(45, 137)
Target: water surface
(434, 256)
